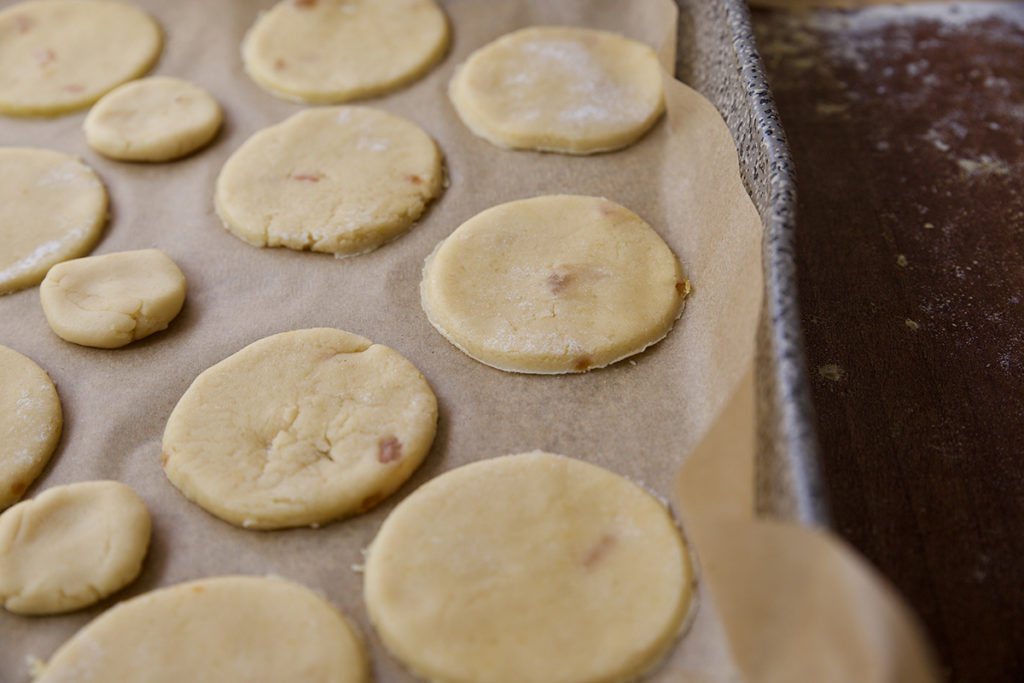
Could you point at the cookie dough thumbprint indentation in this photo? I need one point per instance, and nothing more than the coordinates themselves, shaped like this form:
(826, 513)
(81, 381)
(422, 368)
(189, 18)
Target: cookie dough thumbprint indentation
(61, 55)
(229, 629)
(30, 423)
(341, 180)
(553, 284)
(560, 89)
(152, 119)
(53, 208)
(71, 546)
(531, 568)
(111, 300)
(338, 50)
(300, 428)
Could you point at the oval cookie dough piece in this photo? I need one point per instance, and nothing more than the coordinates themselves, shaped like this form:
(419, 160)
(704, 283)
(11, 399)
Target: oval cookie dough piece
(53, 207)
(341, 180)
(553, 284)
(339, 50)
(152, 119)
(71, 546)
(528, 568)
(30, 423)
(299, 428)
(560, 89)
(111, 300)
(61, 55)
(229, 629)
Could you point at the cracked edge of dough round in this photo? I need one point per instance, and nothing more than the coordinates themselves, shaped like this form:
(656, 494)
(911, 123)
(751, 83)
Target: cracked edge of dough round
(197, 630)
(460, 478)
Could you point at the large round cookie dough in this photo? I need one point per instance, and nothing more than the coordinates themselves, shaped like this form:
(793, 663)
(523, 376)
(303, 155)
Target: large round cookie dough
(71, 546)
(230, 629)
(53, 208)
(30, 423)
(560, 89)
(340, 50)
(111, 300)
(532, 568)
(299, 428)
(152, 119)
(341, 180)
(553, 284)
(62, 55)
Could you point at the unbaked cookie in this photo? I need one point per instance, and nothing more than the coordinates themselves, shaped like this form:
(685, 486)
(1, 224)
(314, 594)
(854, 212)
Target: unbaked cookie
(53, 207)
(553, 284)
(71, 546)
(341, 180)
(229, 629)
(152, 119)
(62, 55)
(111, 300)
(299, 428)
(340, 50)
(528, 568)
(560, 89)
(30, 423)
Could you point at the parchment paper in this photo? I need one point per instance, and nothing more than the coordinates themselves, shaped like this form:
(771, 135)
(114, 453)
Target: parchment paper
(639, 418)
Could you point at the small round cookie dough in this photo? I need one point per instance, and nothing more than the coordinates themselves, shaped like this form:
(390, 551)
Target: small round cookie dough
(339, 50)
(111, 300)
(528, 568)
(53, 207)
(229, 629)
(299, 428)
(152, 119)
(341, 180)
(553, 284)
(61, 55)
(30, 423)
(560, 89)
(71, 546)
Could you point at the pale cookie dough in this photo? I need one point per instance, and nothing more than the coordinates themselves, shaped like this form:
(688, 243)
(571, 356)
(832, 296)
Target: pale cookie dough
(152, 119)
(341, 180)
(553, 284)
(53, 208)
(299, 428)
(560, 89)
(111, 300)
(339, 50)
(71, 546)
(61, 55)
(229, 629)
(531, 568)
(30, 423)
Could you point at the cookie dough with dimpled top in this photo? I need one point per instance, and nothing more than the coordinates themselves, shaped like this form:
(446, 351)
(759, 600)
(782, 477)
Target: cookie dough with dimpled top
(111, 300)
(30, 423)
(341, 180)
(300, 428)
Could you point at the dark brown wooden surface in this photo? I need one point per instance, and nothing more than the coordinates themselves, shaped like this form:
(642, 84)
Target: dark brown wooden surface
(906, 130)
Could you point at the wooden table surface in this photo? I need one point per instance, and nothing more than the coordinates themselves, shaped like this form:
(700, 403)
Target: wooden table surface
(906, 130)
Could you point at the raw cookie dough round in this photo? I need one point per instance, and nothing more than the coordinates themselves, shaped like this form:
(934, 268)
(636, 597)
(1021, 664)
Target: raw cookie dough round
(71, 546)
(229, 629)
(30, 423)
(340, 50)
(560, 89)
(553, 284)
(61, 55)
(53, 209)
(528, 568)
(111, 300)
(299, 428)
(152, 119)
(341, 180)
